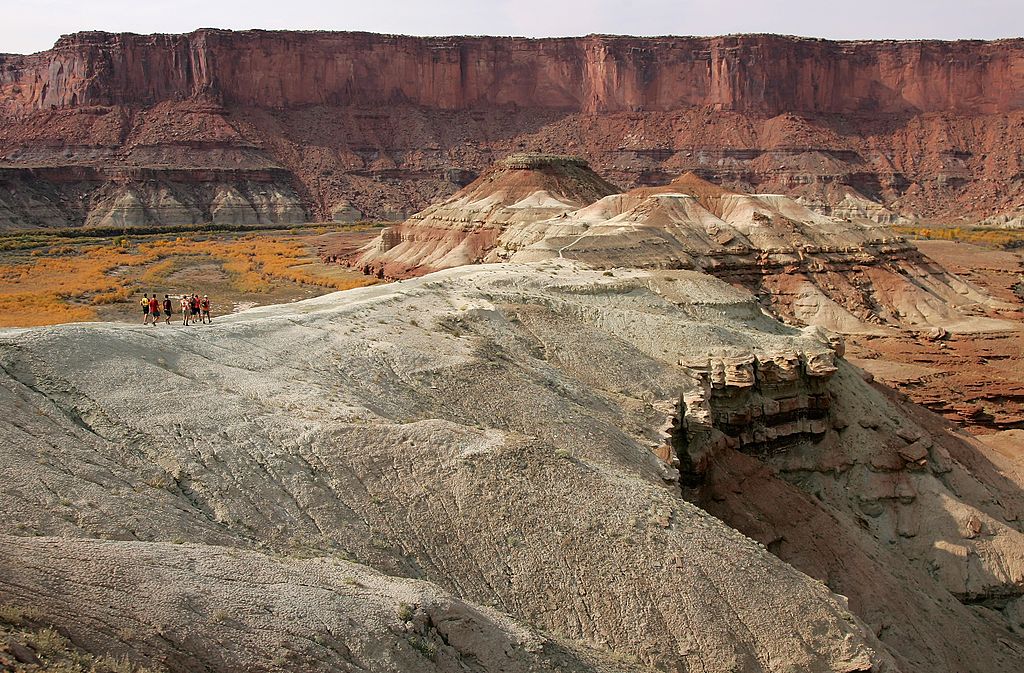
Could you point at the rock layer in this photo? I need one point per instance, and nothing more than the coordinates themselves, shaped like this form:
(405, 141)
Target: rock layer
(972, 379)
(847, 275)
(466, 228)
(389, 124)
(766, 74)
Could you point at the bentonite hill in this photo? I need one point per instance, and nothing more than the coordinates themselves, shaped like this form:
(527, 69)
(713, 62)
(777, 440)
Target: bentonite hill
(485, 469)
(843, 271)
(602, 417)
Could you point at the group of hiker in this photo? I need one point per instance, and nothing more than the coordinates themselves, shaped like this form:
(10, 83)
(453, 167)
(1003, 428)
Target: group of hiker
(193, 309)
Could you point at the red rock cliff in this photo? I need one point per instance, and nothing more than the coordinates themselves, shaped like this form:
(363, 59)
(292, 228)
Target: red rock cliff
(357, 124)
(752, 73)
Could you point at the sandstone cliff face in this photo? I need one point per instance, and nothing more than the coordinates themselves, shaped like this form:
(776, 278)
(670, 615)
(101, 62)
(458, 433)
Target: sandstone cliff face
(389, 124)
(758, 73)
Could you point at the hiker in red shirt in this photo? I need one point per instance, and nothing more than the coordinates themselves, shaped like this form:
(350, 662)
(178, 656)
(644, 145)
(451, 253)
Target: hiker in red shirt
(204, 304)
(154, 309)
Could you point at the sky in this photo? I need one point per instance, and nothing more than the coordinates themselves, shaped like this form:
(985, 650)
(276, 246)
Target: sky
(33, 25)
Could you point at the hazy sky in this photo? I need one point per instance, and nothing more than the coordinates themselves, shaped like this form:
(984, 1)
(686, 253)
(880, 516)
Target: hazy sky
(33, 25)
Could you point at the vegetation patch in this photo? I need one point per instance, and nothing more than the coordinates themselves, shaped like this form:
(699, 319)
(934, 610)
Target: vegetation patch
(991, 237)
(28, 644)
(405, 612)
(425, 647)
(62, 281)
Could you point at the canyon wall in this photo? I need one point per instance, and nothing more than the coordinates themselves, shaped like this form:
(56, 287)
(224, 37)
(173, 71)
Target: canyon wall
(758, 73)
(380, 125)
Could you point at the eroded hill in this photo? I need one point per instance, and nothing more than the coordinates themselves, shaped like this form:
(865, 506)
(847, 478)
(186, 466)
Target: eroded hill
(848, 274)
(846, 271)
(508, 436)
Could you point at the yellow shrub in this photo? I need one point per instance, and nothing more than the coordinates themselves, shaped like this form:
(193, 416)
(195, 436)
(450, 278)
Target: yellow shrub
(988, 236)
(157, 272)
(29, 310)
(113, 296)
(56, 286)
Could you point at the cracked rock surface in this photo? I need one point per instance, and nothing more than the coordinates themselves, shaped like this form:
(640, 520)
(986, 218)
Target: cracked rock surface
(456, 472)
